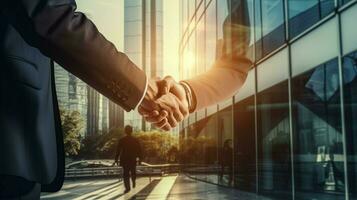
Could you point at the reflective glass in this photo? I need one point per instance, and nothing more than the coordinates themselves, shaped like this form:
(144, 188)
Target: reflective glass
(225, 152)
(318, 139)
(274, 164)
(222, 13)
(258, 30)
(349, 30)
(244, 145)
(184, 14)
(190, 57)
(211, 149)
(273, 26)
(341, 2)
(199, 150)
(201, 44)
(133, 13)
(305, 13)
(350, 96)
(191, 8)
(211, 36)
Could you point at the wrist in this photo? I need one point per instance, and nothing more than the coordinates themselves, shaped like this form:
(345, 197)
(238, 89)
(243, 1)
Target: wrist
(189, 96)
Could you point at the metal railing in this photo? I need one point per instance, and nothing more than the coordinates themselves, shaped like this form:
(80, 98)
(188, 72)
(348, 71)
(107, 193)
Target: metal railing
(117, 171)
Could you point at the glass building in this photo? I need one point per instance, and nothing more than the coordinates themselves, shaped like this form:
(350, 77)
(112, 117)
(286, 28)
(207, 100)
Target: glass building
(75, 95)
(143, 43)
(72, 94)
(290, 132)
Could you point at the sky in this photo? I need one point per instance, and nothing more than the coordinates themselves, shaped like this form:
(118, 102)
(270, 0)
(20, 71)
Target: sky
(108, 15)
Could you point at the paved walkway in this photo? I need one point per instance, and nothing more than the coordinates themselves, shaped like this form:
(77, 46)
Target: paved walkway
(164, 188)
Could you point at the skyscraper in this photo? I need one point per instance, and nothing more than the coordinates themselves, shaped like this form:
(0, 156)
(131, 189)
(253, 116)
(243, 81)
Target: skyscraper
(75, 95)
(92, 111)
(71, 94)
(143, 43)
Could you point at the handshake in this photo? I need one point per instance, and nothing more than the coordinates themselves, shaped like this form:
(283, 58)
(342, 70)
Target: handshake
(166, 103)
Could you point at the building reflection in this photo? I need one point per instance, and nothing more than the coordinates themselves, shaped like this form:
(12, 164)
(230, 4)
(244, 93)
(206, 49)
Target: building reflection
(292, 126)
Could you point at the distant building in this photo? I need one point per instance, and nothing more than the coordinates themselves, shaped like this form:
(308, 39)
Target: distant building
(75, 95)
(116, 116)
(71, 93)
(143, 43)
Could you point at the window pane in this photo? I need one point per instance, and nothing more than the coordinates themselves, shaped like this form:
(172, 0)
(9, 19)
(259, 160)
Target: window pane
(258, 30)
(211, 36)
(225, 153)
(349, 30)
(191, 8)
(274, 171)
(273, 26)
(341, 2)
(199, 149)
(323, 40)
(222, 13)
(211, 156)
(350, 88)
(318, 144)
(191, 68)
(184, 14)
(201, 40)
(305, 13)
(244, 144)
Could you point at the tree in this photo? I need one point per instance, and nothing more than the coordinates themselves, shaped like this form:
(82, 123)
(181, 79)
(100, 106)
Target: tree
(100, 146)
(156, 145)
(107, 145)
(72, 124)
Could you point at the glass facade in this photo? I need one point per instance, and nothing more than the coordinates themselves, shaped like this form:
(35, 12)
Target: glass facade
(350, 97)
(290, 132)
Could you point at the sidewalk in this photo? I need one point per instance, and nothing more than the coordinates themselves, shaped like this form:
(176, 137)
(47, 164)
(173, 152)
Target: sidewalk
(186, 188)
(162, 188)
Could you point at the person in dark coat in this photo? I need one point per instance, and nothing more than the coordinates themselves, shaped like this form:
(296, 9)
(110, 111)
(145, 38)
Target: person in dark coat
(128, 150)
(227, 160)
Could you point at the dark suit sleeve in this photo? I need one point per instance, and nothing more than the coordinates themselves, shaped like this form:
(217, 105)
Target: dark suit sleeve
(73, 41)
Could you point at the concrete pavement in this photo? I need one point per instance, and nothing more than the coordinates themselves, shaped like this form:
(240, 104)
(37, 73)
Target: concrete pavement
(174, 187)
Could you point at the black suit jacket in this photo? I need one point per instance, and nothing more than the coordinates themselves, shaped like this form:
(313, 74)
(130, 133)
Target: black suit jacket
(128, 149)
(32, 32)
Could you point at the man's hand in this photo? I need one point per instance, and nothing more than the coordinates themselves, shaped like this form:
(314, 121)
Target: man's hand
(149, 107)
(170, 99)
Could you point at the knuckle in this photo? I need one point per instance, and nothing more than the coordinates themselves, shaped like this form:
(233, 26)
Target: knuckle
(186, 113)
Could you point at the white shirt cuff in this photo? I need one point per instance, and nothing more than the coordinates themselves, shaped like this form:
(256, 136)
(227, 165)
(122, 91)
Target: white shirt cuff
(145, 90)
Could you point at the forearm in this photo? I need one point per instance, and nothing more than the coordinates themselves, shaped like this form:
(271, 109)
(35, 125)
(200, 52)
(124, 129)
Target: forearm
(219, 83)
(229, 72)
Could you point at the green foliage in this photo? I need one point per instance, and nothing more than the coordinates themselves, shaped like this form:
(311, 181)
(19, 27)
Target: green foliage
(100, 146)
(156, 146)
(72, 124)
(192, 150)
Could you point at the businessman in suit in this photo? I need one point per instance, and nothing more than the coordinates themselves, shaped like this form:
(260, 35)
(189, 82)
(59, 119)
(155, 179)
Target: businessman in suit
(32, 34)
(128, 150)
(226, 76)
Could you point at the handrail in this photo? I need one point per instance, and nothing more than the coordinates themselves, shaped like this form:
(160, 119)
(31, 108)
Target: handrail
(147, 170)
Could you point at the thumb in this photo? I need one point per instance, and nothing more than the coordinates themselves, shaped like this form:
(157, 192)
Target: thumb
(165, 85)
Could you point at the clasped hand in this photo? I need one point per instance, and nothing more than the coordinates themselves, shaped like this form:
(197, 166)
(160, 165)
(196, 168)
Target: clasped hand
(165, 103)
